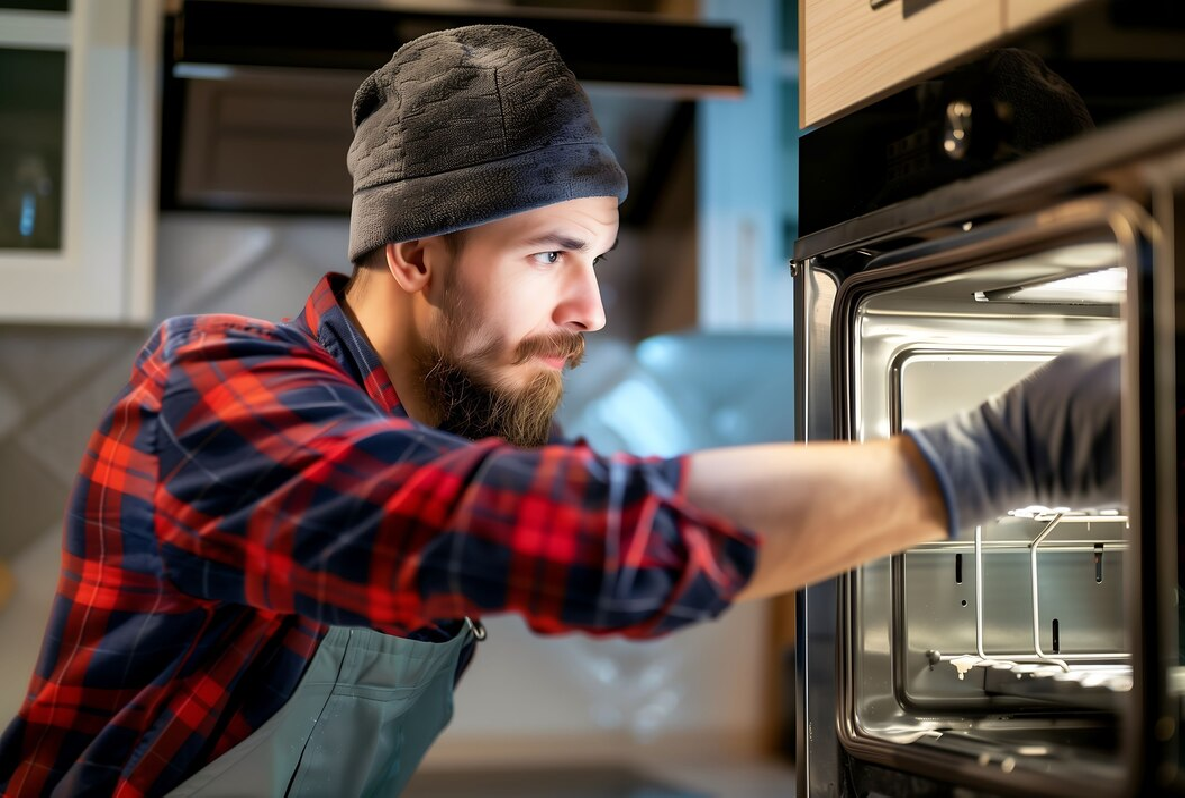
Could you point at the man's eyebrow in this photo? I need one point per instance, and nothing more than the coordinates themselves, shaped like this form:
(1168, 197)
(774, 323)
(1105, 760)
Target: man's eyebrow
(564, 242)
(558, 241)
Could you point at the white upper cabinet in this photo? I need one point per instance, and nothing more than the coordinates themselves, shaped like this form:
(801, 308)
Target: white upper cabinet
(78, 140)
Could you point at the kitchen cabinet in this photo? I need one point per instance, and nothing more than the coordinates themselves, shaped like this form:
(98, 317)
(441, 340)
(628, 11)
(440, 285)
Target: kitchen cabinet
(856, 50)
(77, 153)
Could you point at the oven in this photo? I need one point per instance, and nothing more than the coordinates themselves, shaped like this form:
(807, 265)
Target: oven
(1041, 654)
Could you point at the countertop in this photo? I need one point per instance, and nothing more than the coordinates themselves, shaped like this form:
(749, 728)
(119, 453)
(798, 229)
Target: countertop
(757, 778)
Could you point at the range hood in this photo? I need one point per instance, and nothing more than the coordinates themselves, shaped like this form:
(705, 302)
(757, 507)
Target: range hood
(256, 95)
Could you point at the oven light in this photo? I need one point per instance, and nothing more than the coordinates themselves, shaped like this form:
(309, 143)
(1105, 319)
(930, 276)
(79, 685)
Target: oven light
(1102, 287)
(1038, 511)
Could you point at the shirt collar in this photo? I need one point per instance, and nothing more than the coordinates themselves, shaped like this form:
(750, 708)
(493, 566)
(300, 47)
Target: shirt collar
(325, 319)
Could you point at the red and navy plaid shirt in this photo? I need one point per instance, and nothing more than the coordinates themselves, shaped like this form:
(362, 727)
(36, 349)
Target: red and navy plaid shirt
(255, 483)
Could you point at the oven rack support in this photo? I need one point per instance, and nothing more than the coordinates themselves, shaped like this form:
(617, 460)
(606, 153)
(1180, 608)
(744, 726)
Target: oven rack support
(1037, 662)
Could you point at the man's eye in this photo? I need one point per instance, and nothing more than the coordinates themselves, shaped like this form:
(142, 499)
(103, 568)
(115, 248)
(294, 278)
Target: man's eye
(547, 258)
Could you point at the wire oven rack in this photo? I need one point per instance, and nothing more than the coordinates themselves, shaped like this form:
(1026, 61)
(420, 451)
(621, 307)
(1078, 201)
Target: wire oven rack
(1090, 679)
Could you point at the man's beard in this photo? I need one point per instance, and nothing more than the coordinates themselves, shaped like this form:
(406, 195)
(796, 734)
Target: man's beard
(470, 402)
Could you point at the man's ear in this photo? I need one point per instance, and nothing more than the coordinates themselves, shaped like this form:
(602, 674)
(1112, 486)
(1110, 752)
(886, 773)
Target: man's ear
(408, 264)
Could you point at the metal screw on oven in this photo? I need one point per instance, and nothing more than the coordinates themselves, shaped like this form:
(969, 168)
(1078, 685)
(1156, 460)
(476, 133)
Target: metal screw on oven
(957, 138)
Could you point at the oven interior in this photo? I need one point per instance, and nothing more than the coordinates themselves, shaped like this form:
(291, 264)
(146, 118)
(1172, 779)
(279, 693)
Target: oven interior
(1009, 649)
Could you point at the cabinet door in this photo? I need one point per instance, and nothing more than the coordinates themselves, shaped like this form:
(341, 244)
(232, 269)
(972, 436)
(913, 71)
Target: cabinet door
(77, 141)
(854, 51)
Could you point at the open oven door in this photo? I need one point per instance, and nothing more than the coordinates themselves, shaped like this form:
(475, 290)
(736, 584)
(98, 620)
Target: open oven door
(1039, 656)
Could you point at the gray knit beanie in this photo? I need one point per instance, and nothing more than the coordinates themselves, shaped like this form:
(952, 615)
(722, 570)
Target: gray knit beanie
(468, 125)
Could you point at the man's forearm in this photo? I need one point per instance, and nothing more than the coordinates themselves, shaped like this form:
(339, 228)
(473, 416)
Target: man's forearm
(821, 509)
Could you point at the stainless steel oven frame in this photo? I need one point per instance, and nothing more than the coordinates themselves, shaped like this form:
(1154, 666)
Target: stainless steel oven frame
(1131, 178)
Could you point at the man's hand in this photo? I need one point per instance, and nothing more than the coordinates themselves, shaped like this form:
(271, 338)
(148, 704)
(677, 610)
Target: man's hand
(1051, 439)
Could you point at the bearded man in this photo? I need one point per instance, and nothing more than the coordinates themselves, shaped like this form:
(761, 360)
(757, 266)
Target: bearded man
(283, 536)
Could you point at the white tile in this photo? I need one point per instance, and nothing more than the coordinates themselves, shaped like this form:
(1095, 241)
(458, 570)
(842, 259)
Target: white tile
(38, 363)
(322, 244)
(275, 288)
(58, 435)
(32, 496)
(199, 258)
(259, 268)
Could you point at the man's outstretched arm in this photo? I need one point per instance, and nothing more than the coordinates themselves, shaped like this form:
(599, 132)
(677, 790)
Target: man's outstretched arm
(823, 508)
(1050, 439)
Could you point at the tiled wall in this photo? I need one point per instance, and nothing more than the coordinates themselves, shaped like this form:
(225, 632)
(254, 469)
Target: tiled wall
(554, 697)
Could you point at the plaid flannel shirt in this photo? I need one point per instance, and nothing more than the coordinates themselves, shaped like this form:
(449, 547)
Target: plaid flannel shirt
(255, 483)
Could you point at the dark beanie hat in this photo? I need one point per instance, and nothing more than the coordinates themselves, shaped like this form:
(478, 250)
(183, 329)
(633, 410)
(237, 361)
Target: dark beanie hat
(468, 125)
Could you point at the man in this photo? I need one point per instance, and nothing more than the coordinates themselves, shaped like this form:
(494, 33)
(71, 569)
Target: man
(282, 534)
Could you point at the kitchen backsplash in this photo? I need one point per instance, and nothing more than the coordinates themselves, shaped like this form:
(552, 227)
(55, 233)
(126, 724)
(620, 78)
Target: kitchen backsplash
(574, 694)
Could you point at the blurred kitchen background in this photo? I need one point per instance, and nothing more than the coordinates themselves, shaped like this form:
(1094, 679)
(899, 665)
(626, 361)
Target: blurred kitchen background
(108, 224)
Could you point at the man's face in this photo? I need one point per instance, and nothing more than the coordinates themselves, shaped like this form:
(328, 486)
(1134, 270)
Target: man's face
(512, 308)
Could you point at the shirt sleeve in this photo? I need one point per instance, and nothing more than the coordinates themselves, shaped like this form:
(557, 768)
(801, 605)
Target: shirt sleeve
(282, 485)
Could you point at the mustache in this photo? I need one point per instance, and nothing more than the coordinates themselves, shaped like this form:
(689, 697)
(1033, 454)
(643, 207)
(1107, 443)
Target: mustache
(568, 345)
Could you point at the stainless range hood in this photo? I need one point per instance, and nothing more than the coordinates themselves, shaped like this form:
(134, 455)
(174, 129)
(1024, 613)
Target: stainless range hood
(256, 110)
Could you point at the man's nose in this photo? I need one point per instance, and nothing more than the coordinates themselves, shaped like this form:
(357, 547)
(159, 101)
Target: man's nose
(581, 308)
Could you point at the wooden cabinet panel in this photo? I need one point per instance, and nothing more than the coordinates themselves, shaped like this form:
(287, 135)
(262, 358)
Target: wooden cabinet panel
(852, 53)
